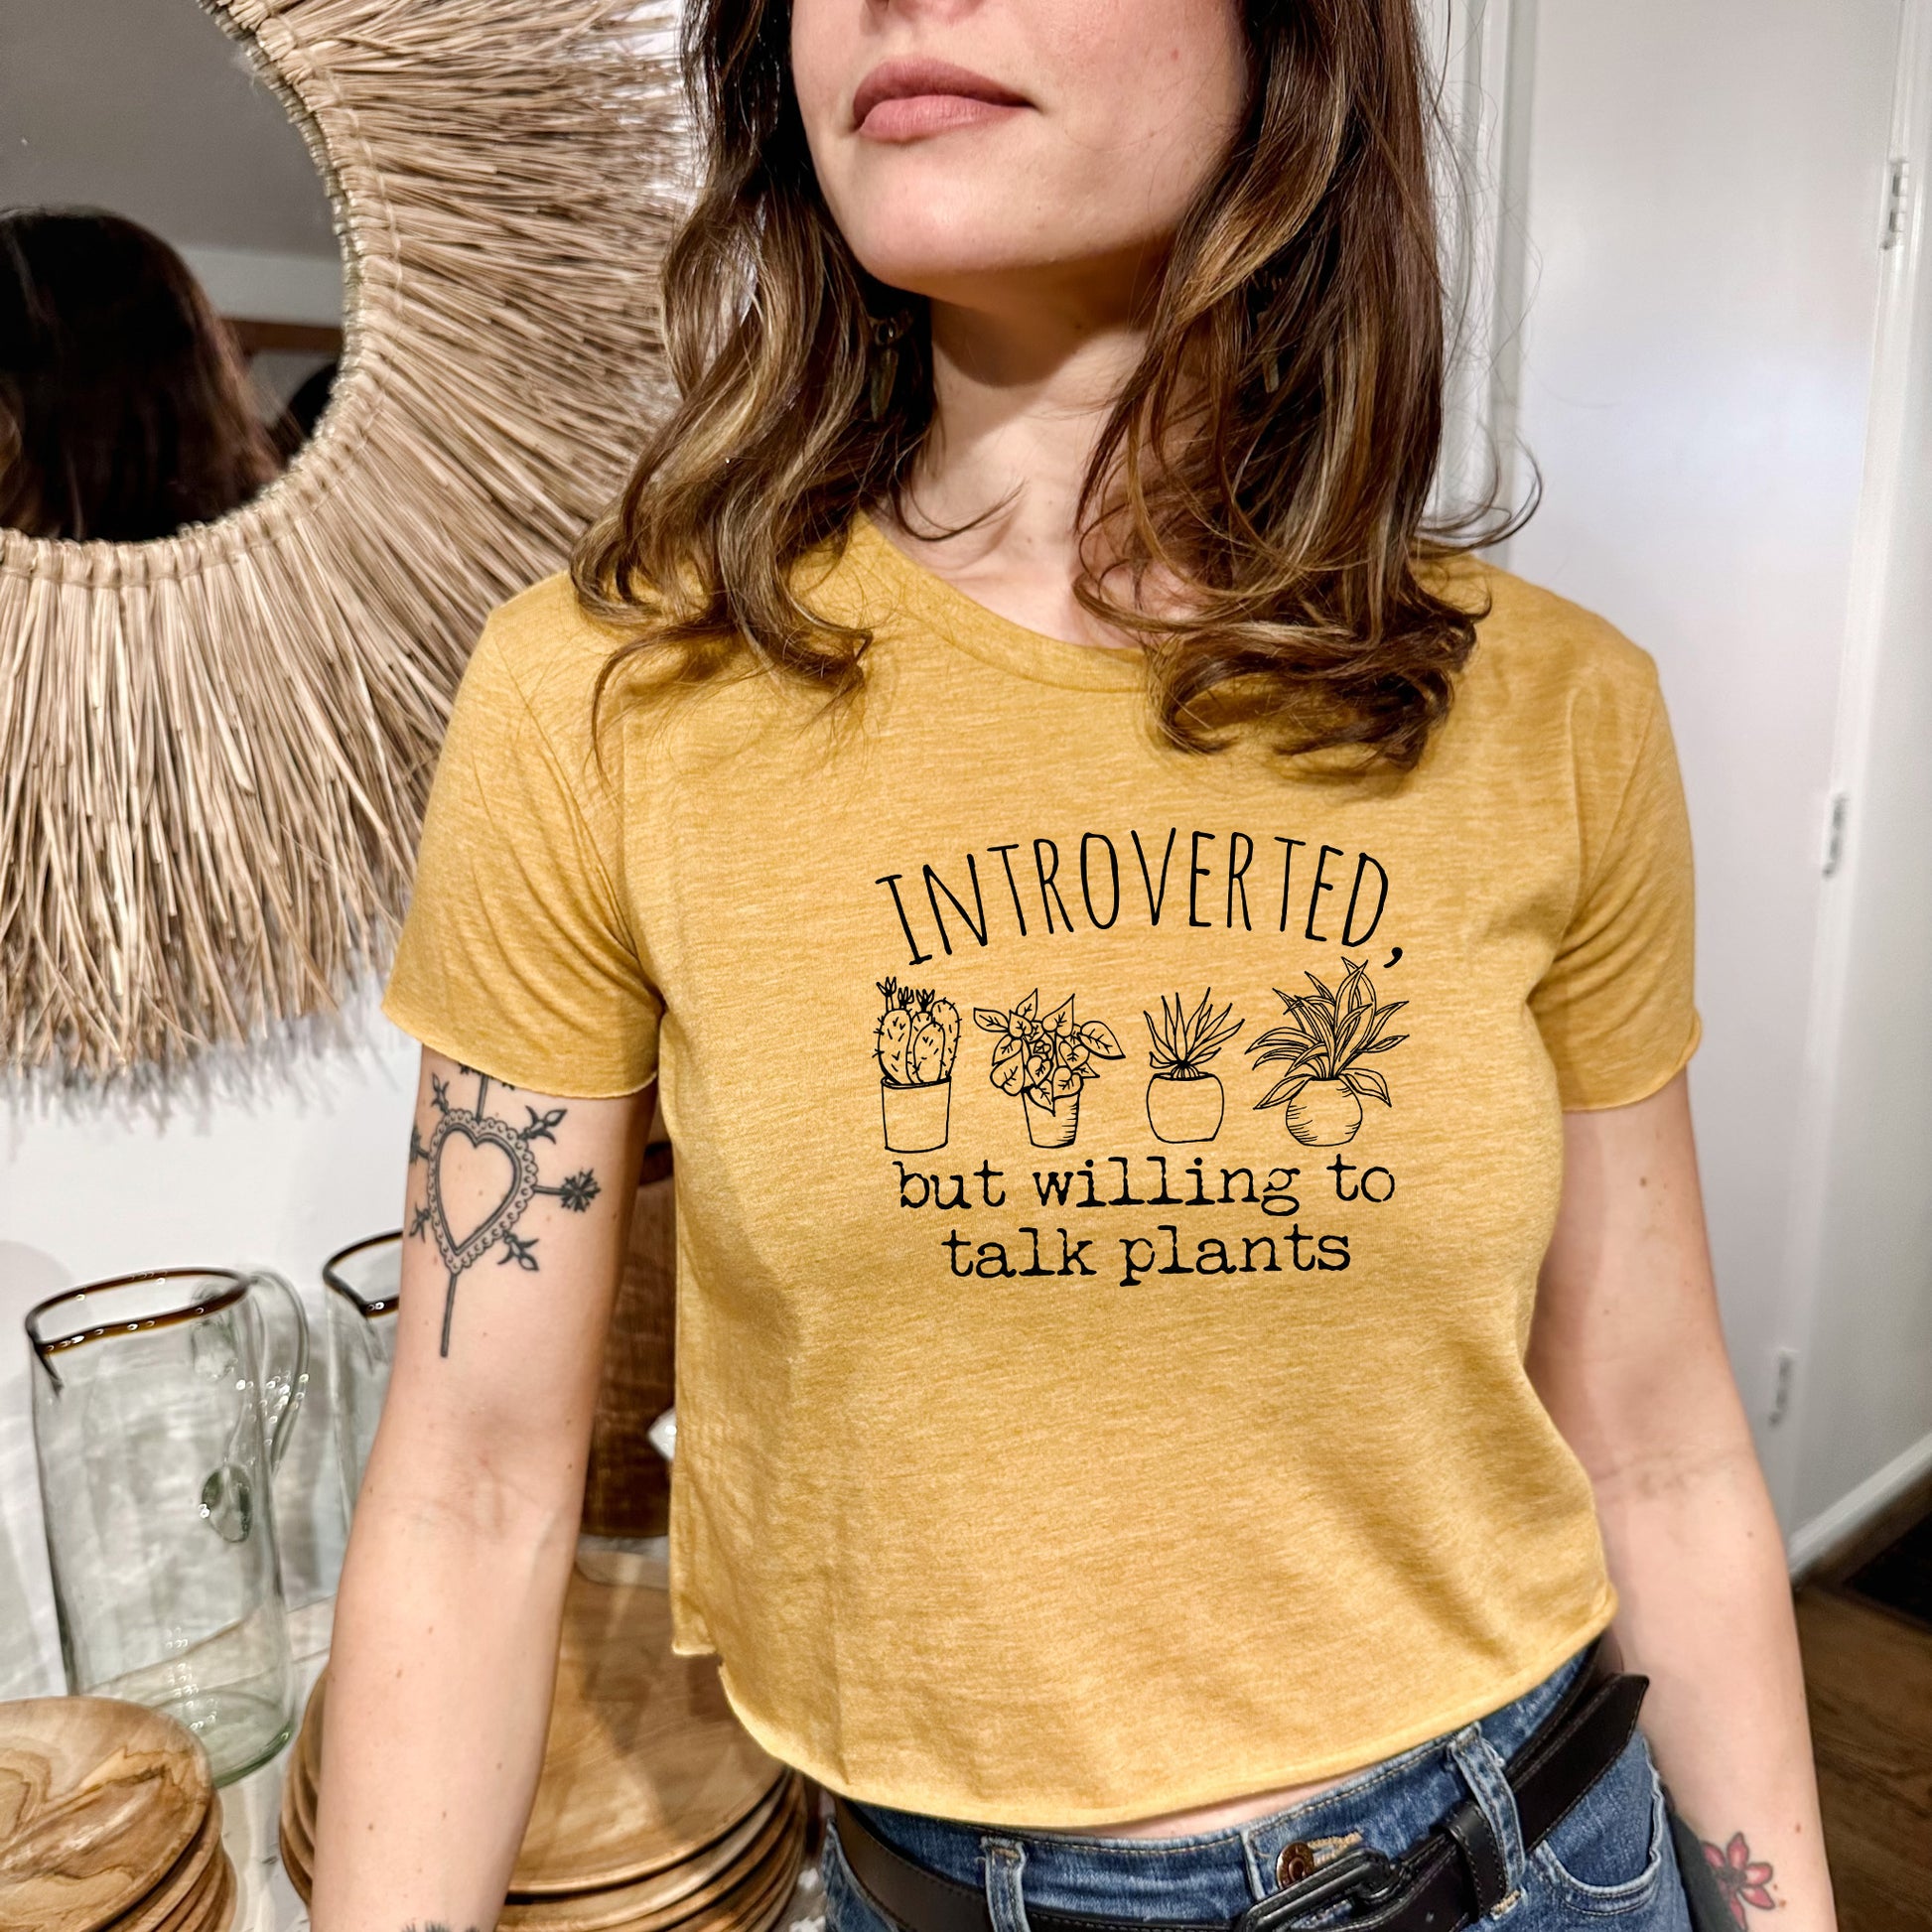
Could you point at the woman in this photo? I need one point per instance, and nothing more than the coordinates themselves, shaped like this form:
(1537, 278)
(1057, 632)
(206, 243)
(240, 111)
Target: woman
(1140, 1493)
(125, 411)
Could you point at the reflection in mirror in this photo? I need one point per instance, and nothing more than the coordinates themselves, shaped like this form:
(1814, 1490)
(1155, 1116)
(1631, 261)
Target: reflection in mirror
(170, 283)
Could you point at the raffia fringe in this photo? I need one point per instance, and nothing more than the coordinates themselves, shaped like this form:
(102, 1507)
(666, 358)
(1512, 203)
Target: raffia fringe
(214, 749)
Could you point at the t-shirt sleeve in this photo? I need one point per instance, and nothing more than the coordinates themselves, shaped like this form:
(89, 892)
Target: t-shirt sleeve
(1617, 1008)
(517, 957)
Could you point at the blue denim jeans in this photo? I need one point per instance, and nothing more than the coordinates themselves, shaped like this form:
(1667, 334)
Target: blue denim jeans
(1609, 1863)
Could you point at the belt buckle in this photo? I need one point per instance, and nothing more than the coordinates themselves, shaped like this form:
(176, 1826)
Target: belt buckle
(1360, 1869)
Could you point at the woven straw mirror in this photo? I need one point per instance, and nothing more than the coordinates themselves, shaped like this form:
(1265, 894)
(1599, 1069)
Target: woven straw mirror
(214, 747)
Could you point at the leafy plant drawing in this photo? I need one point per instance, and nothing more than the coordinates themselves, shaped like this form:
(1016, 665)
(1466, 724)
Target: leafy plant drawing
(1047, 1060)
(1186, 1102)
(914, 1043)
(1323, 1037)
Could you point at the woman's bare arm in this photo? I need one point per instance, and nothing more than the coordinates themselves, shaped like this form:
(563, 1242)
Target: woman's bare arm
(1628, 1355)
(446, 1625)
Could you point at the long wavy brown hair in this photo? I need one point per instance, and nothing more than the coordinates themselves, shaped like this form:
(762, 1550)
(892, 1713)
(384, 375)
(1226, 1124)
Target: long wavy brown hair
(125, 411)
(1269, 463)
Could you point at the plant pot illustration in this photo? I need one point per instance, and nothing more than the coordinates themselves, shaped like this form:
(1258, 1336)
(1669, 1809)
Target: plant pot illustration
(917, 1118)
(1185, 1101)
(1325, 1114)
(1323, 1038)
(1046, 1058)
(1054, 1126)
(1181, 1109)
(914, 1042)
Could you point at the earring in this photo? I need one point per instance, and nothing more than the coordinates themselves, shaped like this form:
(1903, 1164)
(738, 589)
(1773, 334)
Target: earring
(887, 332)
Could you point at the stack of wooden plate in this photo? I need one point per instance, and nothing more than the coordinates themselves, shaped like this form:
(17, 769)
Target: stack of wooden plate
(654, 1810)
(627, 1488)
(108, 1822)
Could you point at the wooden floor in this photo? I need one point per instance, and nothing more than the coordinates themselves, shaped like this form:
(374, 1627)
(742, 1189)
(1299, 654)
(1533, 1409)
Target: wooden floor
(1869, 1674)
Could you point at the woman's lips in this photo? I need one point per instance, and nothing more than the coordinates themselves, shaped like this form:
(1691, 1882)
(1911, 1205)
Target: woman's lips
(905, 100)
(908, 118)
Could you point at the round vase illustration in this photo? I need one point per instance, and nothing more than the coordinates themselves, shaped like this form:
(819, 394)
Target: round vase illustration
(1185, 1102)
(1324, 1113)
(914, 1042)
(1323, 1036)
(1046, 1058)
(917, 1118)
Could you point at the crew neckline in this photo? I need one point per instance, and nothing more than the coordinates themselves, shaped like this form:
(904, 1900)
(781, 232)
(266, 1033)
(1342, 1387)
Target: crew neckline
(982, 633)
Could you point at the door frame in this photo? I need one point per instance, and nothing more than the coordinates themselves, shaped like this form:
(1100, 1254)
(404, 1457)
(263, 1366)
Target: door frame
(1883, 531)
(1483, 53)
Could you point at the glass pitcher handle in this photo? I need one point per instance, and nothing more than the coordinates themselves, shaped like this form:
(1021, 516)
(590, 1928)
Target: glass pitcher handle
(285, 1361)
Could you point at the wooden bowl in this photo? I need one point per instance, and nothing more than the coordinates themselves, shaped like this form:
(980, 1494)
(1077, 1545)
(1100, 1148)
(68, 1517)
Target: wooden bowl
(308, 1737)
(220, 1915)
(760, 1904)
(644, 1767)
(683, 1893)
(645, 1762)
(295, 1863)
(298, 1854)
(98, 1801)
(746, 1896)
(187, 1880)
(210, 1901)
(627, 1487)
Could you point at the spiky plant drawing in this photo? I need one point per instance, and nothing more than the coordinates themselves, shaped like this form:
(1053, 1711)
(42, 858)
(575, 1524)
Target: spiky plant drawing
(914, 1043)
(1323, 1037)
(1186, 1102)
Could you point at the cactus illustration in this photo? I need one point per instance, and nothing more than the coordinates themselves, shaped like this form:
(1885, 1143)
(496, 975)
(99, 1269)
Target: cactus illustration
(918, 1038)
(894, 1036)
(935, 1039)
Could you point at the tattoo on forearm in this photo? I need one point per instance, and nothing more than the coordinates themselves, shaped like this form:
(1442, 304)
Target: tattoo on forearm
(502, 1159)
(435, 1925)
(1742, 1879)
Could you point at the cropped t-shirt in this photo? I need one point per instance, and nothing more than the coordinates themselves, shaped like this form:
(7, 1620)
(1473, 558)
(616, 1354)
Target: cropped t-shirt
(1111, 1180)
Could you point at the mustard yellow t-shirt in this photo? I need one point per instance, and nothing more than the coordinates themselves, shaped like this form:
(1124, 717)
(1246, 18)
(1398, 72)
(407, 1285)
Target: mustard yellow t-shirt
(1111, 1181)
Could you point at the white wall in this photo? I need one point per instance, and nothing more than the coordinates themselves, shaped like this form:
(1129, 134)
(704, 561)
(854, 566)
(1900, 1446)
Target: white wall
(150, 109)
(274, 1159)
(1705, 185)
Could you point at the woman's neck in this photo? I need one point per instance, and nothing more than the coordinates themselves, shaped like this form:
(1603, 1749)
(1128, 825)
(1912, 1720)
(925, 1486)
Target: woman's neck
(1019, 402)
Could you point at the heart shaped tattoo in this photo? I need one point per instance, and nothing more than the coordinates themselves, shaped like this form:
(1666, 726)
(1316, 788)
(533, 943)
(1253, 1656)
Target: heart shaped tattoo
(491, 1167)
(483, 1159)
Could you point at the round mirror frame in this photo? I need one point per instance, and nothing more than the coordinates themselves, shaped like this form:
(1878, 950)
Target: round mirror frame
(214, 749)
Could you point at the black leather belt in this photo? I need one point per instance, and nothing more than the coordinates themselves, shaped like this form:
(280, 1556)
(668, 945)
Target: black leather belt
(1449, 1878)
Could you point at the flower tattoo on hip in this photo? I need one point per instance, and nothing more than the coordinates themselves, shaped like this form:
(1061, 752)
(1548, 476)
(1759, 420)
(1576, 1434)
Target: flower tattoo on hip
(1742, 1879)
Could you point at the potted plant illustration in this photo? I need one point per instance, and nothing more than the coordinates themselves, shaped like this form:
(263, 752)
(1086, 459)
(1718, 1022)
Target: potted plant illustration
(916, 1038)
(1045, 1059)
(1322, 1039)
(1185, 1101)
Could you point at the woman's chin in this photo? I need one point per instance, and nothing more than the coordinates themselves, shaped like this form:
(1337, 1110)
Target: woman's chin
(985, 265)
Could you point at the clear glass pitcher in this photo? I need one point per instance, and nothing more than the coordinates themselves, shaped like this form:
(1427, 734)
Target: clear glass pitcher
(162, 1405)
(363, 1282)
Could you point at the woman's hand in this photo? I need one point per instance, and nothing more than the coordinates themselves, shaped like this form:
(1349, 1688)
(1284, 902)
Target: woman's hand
(1628, 1355)
(445, 1643)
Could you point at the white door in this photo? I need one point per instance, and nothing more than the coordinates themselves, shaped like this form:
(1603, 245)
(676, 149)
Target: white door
(1860, 1316)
